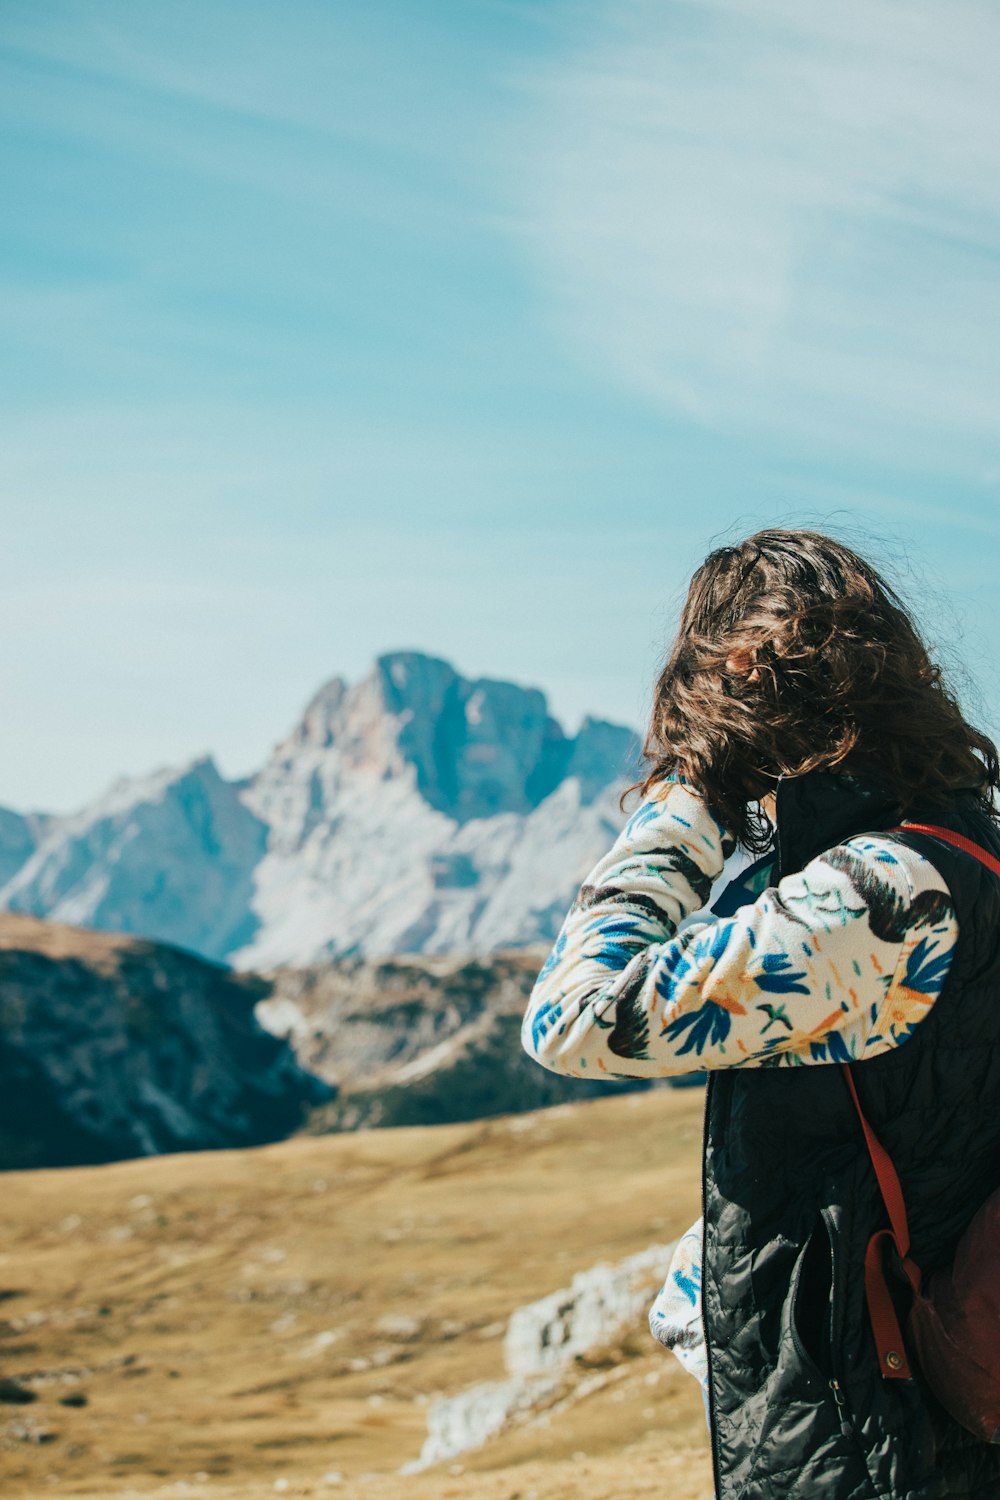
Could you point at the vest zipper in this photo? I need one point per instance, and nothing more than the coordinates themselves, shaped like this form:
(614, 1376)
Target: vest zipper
(838, 1396)
(849, 1430)
(844, 1413)
(836, 1327)
(710, 1384)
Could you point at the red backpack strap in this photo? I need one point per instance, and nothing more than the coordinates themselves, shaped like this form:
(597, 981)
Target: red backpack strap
(888, 1335)
(959, 840)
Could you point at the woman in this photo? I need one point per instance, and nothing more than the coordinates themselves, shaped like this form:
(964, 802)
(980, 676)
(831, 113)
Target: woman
(799, 708)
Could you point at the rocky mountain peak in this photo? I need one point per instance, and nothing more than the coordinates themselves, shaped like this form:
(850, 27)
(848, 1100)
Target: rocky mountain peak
(600, 749)
(320, 720)
(473, 747)
(414, 810)
(483, 746)
(170, 855)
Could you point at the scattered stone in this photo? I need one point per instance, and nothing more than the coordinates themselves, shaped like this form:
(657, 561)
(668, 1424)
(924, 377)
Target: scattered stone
(389, 1355)
(399, 1327)
(27, 1431)
(74, 1398)
(29, 1320)
(320, 1342)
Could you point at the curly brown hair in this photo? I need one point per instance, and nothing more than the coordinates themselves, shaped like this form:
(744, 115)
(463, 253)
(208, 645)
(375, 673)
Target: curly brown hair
(794, 655)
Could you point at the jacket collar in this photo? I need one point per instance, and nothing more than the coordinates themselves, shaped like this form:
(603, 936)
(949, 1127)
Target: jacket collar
(822, 808)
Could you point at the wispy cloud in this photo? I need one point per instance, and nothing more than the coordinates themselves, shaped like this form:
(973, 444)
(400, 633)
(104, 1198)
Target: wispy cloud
(771, 215)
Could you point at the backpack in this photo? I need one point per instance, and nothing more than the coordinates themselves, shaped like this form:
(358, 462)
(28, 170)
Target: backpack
(953, 1325)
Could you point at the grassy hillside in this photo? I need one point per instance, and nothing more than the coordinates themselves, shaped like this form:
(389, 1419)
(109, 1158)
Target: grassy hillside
(244, 1323)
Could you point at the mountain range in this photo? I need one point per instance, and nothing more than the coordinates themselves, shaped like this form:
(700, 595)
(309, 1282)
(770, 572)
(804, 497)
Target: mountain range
(115, 1046)
(413, 812)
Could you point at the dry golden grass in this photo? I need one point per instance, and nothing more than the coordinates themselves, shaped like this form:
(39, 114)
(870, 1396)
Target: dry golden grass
(222, 1312)
(57, 940)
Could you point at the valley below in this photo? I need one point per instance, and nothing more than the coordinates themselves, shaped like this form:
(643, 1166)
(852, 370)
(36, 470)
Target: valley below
(283, 1318)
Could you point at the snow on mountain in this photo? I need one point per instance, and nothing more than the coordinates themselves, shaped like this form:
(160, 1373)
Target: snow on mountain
(20, 834)
(168, 856)
(413, 811)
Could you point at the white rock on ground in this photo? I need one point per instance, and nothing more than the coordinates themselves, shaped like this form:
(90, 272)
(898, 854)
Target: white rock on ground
(542, 1339)
(597, 1304)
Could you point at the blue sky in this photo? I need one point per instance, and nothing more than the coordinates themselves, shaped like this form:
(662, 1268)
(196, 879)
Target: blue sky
(335, 328)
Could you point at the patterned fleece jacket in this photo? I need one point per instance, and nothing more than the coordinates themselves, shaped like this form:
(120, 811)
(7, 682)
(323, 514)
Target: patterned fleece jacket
(837, 962)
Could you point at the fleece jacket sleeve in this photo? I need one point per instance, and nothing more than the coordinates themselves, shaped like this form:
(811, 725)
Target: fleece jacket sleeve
(835, 962)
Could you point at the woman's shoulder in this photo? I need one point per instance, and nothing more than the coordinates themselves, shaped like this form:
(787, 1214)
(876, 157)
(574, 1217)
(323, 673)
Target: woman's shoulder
(888, 859)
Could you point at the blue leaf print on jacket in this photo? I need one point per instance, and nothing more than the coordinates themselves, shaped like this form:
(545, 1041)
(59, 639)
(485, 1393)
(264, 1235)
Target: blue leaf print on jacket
(681, 961)
(708, 1025)
(543, 1021)
(554, 957)
(673, 965)
(712, 942)
(690, 1284)
(649, 810)
(621, 939)
(837, 1049)
(926, 970)
(776, 980)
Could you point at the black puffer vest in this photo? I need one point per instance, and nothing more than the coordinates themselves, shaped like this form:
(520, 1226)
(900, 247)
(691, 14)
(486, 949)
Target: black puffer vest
(798, 1407)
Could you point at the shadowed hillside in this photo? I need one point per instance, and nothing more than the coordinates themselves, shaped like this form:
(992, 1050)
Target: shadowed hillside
(113, 1046)
(275, 1320)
